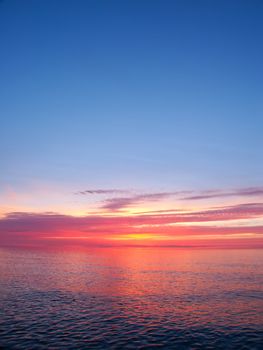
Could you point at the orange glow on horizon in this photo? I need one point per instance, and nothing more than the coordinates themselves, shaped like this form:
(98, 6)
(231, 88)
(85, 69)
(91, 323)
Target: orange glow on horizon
(147, 222)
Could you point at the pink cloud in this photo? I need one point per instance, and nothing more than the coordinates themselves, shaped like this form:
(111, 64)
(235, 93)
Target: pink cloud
(17, 228)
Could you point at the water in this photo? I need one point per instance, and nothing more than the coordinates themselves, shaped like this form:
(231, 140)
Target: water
(131, 298)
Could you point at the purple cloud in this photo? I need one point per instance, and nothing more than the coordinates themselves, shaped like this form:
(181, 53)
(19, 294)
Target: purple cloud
(119, 203)
(124, 202)
(251, 191)
(102, 191)
(18, 227)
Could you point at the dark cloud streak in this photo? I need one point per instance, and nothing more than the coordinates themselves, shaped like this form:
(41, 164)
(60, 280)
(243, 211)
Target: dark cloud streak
(245, 192)
(102, 191)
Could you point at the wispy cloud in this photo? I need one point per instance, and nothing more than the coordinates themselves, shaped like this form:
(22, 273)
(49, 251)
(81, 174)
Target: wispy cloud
(19, 227)
(119, 203)
(102, 191)
(245, 192)
(113, 221)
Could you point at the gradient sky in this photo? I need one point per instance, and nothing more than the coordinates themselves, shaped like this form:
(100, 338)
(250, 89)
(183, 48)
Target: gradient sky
(131, 121)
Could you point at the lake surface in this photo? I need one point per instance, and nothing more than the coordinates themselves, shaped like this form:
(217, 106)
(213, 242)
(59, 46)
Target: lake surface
(131, 298)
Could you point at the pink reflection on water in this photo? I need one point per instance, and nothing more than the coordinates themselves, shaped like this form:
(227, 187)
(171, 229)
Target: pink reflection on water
(161, 288)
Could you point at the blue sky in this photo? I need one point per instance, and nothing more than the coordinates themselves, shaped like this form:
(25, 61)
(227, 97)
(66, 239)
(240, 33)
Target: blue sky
(151, 95)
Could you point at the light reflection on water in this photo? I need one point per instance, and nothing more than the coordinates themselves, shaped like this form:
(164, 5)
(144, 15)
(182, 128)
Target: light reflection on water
(131, 298)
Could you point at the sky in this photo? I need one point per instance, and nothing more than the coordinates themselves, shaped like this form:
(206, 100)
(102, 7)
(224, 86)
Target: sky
(131, 122)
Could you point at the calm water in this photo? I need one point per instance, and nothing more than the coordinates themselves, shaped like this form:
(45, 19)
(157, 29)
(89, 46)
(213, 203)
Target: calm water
(131, 298)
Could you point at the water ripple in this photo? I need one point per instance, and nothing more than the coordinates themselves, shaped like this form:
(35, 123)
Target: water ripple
(128, 307)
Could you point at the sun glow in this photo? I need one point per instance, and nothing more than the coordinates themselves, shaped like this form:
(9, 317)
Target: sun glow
(139, 237)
